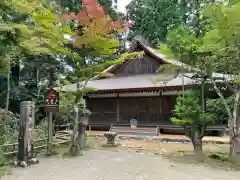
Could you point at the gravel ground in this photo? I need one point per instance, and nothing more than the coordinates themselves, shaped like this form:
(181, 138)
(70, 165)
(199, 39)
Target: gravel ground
(118, 165)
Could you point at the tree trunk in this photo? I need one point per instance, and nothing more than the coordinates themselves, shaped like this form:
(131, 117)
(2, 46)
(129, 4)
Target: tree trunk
(81, 139)
(234, 152)
(74, 148)
(197, 143)
(203, 96)
(50, 133)
(198, 147)
(8, 90)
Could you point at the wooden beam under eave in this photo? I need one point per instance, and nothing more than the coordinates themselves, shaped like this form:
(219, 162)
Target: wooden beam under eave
(172, 93)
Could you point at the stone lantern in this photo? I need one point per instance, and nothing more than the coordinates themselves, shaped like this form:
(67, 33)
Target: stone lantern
(84, 114)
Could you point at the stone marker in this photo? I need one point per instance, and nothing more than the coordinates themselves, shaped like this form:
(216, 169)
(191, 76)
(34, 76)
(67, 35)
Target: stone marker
(133, 123)
(110, 139)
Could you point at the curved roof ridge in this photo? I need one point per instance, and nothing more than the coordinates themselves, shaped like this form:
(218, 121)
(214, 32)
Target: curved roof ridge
(155, 53)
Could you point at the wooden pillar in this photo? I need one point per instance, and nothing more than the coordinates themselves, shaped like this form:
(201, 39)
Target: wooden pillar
(50, 133)
(161, 112)
(118, 109)
(27, 109)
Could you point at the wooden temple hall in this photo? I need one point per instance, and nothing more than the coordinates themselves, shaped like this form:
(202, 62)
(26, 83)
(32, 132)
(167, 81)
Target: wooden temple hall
(137, 94)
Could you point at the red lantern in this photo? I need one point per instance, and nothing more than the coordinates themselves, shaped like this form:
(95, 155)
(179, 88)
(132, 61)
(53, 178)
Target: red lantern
(51, 91)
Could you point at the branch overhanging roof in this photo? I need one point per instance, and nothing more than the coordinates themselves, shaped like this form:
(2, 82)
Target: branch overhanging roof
(144, 80)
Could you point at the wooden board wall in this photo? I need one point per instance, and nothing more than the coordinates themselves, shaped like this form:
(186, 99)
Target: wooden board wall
(147, 110)
(146, 65)
(103, 110)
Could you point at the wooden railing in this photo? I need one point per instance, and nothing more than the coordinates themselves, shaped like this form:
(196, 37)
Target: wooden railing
(12, 148)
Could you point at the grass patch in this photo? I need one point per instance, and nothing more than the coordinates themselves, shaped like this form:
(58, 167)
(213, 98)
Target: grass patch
(5, 170)
(219, 161)
(221, 156)
(90, 142)
(62, 150)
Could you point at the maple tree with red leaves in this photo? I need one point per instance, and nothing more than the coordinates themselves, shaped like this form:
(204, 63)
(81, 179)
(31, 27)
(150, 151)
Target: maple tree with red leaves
(97, 37)
(97, 32)
(98, 26)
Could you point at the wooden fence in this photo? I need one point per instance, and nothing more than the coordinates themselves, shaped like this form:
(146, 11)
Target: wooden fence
(12, 149)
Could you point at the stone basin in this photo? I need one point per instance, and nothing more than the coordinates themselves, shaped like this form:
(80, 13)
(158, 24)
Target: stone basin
(110, 138)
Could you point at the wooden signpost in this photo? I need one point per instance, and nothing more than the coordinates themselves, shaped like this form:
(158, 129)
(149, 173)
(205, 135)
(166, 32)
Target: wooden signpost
(52, 101)
(51, 106)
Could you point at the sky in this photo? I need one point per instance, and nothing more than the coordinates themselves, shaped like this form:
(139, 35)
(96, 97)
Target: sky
(122, 4)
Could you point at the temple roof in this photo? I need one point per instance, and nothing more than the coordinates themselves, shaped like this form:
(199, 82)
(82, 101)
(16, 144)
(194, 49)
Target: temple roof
(156, 54)
(135, 82)
(140, 81)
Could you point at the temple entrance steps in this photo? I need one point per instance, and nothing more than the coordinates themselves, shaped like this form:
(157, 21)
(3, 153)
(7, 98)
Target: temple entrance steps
(139, 130)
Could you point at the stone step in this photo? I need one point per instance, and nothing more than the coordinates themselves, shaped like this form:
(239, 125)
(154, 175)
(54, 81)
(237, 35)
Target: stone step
(134, 131)
(146, 131)
(137, 133)
(140, 128)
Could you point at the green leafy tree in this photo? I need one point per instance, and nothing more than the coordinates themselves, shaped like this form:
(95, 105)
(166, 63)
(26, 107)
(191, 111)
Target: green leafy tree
(110, 7)
(188, 113)
(8, 132)
(153, 19)
(217, 107)
(217, 51)
(183, 45)
(36, 33)
(222, 42)
(65, 116)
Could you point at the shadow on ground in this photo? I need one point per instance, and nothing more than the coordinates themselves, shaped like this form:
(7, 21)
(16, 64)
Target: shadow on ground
(215, 155)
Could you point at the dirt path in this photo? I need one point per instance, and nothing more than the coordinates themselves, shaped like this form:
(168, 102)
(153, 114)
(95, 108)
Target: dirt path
(118, 165)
